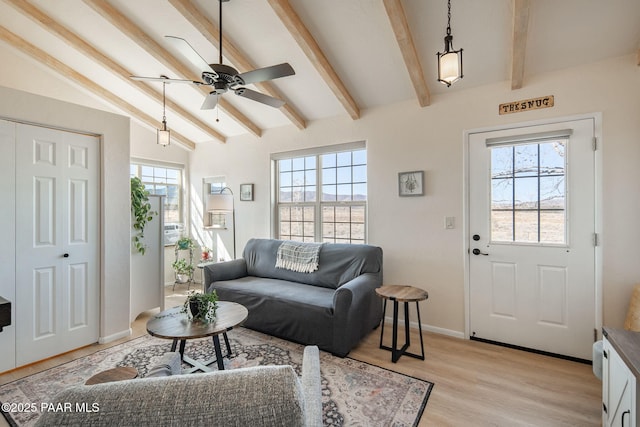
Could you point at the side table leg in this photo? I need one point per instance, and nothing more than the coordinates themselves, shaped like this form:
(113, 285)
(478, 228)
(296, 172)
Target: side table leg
(420, 329)
(395, 353)
(174, 344)
(216, 346)
(226, 342)
(182, 344)
(384, 314)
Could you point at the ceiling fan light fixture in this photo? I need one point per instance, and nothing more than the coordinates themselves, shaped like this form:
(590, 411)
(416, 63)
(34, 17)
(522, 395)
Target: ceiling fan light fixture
(449, 61)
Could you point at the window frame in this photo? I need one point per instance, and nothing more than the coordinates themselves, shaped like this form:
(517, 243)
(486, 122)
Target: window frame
(318, 204)
(181, 186)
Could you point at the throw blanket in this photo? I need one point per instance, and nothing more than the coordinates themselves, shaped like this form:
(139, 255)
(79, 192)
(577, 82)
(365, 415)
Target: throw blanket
(300, 257)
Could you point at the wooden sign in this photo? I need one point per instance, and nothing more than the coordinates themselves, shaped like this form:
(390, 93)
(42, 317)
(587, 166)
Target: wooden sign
(526, 105)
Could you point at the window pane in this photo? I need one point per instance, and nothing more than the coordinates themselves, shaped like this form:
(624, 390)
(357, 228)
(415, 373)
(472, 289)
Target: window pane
(298, 164)
(285, 195)
(552, 158)
(526, 193)
(344, 175)
(344, 192)
(310, 177)
(329, 160)
(552, 226)
(310, 194)
(357, 231)
(344, 159)
(359, 157)
(285, 213)
(502, 225)
(285, 179)
(552, 192)
(284, 165)
(310, 162)
(329, 193)
(501, 162)
(360, 173)
(285, 229)
(357, 214)
(526, 160)
(360, 192)
(296, 213)
(298, 178)
(297, 194)
(308, 213)
(329, 176)
(526, 226)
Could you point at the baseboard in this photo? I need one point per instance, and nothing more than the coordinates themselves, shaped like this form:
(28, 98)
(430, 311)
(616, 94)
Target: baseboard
(116, 336)
(430, 328)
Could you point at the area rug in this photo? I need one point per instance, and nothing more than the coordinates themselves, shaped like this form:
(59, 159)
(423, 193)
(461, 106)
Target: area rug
(354, 393)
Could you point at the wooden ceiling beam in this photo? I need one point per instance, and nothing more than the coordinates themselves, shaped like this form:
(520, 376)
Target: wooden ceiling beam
(400, 26)
(519, 48)
(135, 33)
(210, 31)
(51, 25)
(310, 47)
(76, 78)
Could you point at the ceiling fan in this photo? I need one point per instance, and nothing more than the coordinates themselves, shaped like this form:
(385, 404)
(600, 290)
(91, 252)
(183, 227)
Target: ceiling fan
(224, 77)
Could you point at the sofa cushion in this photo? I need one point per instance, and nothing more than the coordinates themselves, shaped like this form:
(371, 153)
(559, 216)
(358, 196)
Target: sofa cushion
(338, 264)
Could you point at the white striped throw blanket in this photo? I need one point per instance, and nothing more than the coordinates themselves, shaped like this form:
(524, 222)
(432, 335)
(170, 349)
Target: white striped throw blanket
(300, 257)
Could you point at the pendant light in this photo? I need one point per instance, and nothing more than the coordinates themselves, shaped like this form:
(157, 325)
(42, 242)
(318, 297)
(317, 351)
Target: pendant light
(164, 134)
(449, 61)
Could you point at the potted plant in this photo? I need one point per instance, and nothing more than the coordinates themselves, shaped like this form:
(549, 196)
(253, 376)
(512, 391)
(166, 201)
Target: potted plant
(141, 210)
(184, 243)
(183, 269)
(201, 306)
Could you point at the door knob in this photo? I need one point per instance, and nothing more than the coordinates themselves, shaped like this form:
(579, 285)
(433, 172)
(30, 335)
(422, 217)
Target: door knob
(476, 237)
(477, 251)
(66, 255)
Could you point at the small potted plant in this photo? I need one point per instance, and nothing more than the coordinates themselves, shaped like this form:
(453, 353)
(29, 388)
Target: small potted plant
(183, 270)
(184, 243)
(201, 306)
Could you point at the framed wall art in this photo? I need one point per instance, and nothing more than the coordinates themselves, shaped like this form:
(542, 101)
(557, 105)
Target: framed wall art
(246, 192)
(411, 183)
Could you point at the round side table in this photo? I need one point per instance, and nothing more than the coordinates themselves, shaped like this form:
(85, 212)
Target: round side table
(405, 294)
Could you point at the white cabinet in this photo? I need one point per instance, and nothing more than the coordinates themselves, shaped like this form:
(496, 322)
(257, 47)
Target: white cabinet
(618, 389)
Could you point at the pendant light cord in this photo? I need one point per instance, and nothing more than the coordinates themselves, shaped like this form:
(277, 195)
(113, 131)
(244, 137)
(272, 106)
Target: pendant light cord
(449, 18)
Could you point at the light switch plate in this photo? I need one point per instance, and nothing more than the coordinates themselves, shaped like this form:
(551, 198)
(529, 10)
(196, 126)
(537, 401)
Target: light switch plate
(449, 222)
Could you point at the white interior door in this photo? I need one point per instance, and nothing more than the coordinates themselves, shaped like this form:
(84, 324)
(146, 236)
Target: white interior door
(57, 242)
(531, 237)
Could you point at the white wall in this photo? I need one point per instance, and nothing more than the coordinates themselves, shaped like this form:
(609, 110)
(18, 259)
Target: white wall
(418, 250)
(114, 129)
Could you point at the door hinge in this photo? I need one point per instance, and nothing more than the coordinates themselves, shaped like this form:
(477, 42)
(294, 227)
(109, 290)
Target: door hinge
(605, 355)
(596, 239)
(594, 143)
(595, 335)
(604, 407)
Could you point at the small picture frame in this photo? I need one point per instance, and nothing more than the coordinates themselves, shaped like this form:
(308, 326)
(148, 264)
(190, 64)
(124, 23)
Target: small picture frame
(246, 192)
(411, 183)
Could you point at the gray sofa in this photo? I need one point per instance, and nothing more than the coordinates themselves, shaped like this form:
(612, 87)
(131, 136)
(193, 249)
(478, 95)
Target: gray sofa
(256, 396)
(333, 307)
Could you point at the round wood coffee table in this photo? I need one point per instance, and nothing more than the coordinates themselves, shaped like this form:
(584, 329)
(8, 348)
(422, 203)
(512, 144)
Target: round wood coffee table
(174, 325)
(405, 294)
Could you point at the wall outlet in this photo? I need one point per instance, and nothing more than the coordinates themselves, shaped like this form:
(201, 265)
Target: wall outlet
(449, 222)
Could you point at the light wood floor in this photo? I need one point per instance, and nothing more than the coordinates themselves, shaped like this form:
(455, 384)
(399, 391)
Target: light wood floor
(476, 384)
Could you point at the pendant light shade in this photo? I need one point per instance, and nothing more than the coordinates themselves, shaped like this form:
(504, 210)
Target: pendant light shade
(449, 61)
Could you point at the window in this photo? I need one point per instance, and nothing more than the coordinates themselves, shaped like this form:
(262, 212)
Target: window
(528, 193)
(322, 194)
(166, 181)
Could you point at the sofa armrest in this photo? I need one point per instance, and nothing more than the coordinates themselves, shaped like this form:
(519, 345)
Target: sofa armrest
(228, 270)
(311, 386)
(357, 309)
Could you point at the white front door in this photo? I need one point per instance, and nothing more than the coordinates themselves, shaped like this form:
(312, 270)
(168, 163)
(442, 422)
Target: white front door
(57, 242)
(531, 237)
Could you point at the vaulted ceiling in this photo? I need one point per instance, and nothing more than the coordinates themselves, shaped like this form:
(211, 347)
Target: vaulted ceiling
(348, 55)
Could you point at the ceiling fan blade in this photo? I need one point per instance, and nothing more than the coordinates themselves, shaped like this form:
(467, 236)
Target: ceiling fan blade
(266, 73)
(210, 101)
(260, 97)
(163, 80)
(190, 53)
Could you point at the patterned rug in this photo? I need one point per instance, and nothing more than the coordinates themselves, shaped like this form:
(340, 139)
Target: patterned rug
(354, 393)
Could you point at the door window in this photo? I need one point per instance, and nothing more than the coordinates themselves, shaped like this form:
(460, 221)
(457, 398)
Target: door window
(528, 193)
